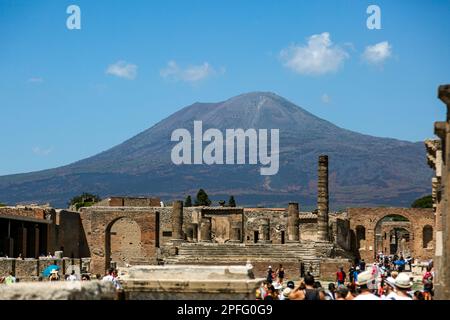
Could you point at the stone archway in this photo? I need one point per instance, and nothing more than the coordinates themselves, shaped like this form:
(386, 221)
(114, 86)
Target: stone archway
(99, 222)
(123, 242)
(393, 235)
(412, 221)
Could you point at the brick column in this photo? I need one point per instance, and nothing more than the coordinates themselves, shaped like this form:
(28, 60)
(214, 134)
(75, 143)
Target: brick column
(194, 227)
(293, 223)
(190, 234)
(177, 220)
(264, 231)
(322, 199)
(205, 230)
(23, 241)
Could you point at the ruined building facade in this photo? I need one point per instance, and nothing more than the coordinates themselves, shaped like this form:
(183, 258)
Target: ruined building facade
(122, 231)
(438, 155)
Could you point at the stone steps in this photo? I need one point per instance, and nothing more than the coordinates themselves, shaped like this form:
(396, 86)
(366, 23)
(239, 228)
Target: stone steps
(234, 253)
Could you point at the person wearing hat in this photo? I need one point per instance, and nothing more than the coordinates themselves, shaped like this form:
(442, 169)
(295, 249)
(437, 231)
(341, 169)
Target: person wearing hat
(389, 289)
(53, 275)
(363, 280)
(285, 294)
(402, 285)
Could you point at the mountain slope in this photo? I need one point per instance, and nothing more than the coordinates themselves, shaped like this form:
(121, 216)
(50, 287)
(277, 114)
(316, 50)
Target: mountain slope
(364, 170)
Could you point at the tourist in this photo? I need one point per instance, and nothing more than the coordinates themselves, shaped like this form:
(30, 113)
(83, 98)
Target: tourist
(428, 291)
(72, 276)
(285, 294)
(341, 293)
(280, 274)
(272, 293)
(308, 293)
(269, 274)
(365, 293)
(355, 274)
(418, 295)
(331, 293)
(290, 284)
(54, 276)
(258, 294)
(263, 289)
(389, 289)
(340, 276)
(109, 275)
(427, 276)
(362, 265)
(10, 279)
(402, 285)
(351, 272)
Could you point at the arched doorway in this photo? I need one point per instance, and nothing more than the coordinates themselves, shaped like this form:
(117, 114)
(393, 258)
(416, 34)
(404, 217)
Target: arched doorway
(393, 236)
(123, 242)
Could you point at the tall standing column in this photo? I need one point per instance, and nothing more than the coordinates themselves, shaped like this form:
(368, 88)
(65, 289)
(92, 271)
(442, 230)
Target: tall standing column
(205, 230)
(194, 227)
(293, 222)
(177, 220)
(322, 199)
(264, 231)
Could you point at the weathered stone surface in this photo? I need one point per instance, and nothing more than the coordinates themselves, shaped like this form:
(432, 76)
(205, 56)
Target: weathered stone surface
(190, 282)
(59, 290)
(322, 199)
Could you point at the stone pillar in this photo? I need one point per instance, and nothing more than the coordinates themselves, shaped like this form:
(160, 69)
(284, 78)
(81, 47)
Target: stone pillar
(322, 199)
(264, 231)
(434, 157)
(205, 230)
(190, 234)
(36, 241)
(23, 241)
(177, 220)
(235, 231)
(293, 223)
(442, 129)
(194, 227)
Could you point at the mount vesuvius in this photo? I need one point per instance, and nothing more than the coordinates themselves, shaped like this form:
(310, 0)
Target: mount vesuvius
(363, 170)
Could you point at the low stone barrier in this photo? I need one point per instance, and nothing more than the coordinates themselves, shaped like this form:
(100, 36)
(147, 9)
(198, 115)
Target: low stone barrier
(184, 282)
(58, 290)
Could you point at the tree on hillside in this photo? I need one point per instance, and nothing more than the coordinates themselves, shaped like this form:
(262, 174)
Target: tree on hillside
(84, 200)
(202, 199)
(424, 202)
(188, 202)
(231, 202)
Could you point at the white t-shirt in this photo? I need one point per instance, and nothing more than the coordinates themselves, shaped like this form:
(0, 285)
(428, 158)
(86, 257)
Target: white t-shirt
(108, 278)
(391, 296)
(72, 277)
(365, 296)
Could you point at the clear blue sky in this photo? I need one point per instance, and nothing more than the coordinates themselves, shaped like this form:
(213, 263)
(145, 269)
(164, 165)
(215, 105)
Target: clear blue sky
(60, 104)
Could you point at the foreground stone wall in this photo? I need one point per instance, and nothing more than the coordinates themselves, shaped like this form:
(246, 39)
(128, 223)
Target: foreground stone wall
(60, 290)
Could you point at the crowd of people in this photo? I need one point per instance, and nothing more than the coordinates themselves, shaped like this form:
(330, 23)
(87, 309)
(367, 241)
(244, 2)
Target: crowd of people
(385, 279)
